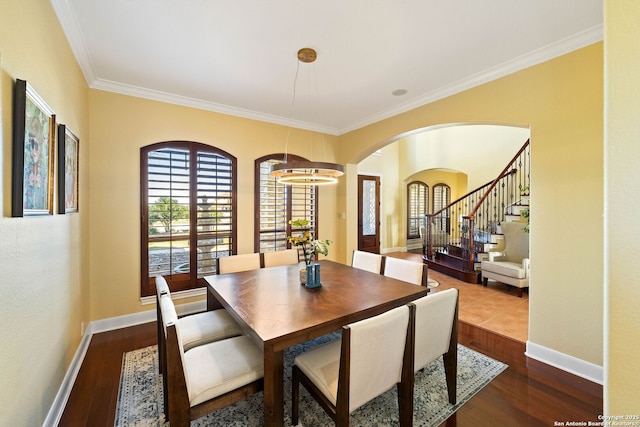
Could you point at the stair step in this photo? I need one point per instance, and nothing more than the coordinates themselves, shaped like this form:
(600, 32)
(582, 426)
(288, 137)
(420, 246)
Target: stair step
(451, 260)
(514, 218)
(449, 270)
(516, 209)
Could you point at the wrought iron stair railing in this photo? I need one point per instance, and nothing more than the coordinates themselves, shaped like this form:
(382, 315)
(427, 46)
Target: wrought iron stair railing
(464, 227)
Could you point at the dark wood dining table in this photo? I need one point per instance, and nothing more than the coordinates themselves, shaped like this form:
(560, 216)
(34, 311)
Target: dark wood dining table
(277, 312)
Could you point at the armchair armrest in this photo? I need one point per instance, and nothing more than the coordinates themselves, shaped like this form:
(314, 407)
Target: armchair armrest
(526, 264)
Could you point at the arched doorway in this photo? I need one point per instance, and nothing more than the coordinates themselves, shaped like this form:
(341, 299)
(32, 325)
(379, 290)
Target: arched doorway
(461, 157)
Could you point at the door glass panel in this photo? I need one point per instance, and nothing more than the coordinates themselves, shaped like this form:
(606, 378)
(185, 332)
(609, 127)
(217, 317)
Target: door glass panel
(369, 202)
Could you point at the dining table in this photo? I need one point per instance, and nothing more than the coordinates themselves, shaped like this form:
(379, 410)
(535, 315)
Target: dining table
(277, 312)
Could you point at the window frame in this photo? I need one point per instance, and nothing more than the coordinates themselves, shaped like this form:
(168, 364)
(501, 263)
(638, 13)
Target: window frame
(189, 280)
(410, 201)
(442, 222)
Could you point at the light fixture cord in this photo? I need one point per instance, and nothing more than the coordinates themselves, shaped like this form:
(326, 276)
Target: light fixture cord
(293, 101)
(319, 112)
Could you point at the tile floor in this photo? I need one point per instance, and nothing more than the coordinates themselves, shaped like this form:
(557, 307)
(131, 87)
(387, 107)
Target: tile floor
(496, 308)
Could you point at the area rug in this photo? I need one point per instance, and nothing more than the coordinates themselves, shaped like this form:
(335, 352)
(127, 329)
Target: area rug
(140, 400)
(432, 283)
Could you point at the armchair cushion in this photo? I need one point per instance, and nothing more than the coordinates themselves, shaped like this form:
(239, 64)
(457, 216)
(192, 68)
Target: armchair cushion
(505, 268)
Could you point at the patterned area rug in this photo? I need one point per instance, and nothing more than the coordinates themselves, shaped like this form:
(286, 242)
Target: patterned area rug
(140, 401)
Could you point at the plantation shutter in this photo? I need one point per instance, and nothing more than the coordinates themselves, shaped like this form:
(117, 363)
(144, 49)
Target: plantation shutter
(214, 219)
(187, 202)
(417, 207)
(277, 204)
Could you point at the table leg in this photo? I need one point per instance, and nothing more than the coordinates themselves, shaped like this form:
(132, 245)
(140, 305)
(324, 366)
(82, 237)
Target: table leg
(273, 387)
(212, 302)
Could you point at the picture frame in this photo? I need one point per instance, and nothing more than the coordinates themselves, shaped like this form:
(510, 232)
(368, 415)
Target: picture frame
(33, 153)
(68, 158)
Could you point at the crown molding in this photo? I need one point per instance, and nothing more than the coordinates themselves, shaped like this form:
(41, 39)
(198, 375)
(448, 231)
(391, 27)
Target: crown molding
(538, 56)
(155, 95)
(72, 30)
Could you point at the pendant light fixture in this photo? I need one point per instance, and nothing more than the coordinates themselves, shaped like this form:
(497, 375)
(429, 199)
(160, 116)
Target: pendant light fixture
(305, 172)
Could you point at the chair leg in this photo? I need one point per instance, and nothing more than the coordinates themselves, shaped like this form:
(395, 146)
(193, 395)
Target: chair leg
(295, 391)
(519, 292)
(450, 360)
(485, 281)
(342, 419)
(405, 404)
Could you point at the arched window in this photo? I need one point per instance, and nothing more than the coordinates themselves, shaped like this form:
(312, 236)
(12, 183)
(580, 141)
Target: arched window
(188, 212)
(417, 207)
(276, 204)
(441, 199)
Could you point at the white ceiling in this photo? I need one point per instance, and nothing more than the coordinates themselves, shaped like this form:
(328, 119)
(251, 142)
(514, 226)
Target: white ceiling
(239, 56)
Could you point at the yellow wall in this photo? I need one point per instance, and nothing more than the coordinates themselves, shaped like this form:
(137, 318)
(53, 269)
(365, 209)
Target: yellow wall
(479, 150)
(48, 268)
(120, 125)
(622, 199)
(44, 268)
(456, 181)
(432, 155)
(390, 166)
(562, 102)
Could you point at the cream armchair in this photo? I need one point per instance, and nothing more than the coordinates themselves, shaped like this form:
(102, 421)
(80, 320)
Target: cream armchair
(512, 265)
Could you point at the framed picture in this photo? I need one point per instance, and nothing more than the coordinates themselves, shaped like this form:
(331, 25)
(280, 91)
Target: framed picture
(68, 145)
(33, 153)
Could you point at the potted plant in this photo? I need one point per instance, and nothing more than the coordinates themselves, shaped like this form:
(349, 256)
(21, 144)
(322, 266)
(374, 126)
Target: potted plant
(310, 246)
(524, 191)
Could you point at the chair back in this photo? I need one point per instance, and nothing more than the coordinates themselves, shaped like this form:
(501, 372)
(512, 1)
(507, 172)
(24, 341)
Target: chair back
(162, 290)
(236, 263)
(405, 270)
(162, 287)
(174, 350)
(286, 257)
(376, 354)
(436, 317)
(367, 261)
(516, 241)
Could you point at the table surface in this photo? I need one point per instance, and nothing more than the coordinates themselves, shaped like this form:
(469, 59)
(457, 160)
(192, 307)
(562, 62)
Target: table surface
(278, 312)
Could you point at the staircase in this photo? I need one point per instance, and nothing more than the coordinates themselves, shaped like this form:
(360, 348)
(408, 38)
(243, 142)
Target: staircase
(459, 236)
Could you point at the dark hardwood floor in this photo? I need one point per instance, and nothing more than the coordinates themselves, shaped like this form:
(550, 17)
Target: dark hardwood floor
(528, 393)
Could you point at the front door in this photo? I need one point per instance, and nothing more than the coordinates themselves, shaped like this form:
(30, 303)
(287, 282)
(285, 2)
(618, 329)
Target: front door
(369, 213)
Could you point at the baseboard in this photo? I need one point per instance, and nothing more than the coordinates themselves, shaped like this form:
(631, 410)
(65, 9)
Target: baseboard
(104, 325)
(60, 401)
(573, 365)
(142, 317)
(389, 250)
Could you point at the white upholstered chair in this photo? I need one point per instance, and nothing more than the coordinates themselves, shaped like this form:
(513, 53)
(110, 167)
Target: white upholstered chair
(512, 266)
(437, 334)
(236, 263)
(209, 376)
(203, 327)
(405, 270)
(367, 261)
(197, 329)
(373, 356)
(285, 257)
